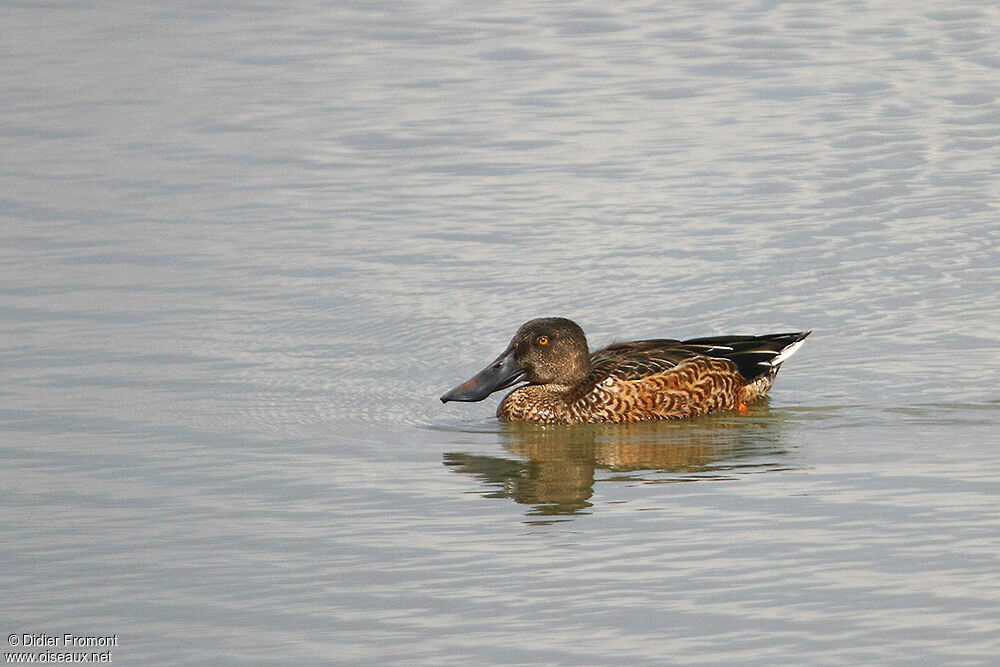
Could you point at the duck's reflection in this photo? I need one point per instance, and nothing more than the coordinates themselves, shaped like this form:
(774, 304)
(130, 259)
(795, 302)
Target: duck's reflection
(558, 466)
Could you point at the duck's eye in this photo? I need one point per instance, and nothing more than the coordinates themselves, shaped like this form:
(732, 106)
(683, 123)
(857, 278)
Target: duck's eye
(543, 340)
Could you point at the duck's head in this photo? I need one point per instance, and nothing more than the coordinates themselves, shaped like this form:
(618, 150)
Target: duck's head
(549, 350)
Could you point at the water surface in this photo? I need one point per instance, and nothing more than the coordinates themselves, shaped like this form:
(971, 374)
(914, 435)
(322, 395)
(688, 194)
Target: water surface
(245, 248)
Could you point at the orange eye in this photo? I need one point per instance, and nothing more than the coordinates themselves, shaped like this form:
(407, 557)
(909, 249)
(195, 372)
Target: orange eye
(543, 340)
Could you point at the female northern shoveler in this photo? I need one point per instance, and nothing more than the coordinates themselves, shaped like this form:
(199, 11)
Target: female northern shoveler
(625, 382)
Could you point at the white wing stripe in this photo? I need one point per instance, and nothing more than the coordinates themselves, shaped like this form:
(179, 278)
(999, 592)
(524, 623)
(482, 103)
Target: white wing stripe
(785, 353)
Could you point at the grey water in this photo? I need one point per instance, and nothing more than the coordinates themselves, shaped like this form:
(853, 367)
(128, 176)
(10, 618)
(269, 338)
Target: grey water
(245, 246)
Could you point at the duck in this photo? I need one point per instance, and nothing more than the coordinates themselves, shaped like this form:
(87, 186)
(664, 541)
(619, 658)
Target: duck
(562, 382)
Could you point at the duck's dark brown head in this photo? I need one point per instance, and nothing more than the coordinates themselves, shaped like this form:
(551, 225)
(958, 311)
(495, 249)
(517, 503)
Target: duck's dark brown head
(548, 350)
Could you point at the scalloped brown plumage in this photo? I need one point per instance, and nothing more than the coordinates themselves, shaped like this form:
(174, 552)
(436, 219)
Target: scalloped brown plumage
(626, 382)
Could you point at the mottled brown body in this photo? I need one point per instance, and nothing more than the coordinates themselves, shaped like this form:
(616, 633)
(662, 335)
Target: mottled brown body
(695, 387)
(626, 382)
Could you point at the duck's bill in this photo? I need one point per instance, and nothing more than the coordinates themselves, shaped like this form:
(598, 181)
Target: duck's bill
(502, 373)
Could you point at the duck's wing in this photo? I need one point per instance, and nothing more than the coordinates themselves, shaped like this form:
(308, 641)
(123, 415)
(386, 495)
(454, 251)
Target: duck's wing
(638, 359)
(751, 356)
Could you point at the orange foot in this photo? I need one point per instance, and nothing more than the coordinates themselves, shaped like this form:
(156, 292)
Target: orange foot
(742, 407)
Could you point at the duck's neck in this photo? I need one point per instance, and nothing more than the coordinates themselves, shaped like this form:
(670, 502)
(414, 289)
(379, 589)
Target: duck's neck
(575, 368)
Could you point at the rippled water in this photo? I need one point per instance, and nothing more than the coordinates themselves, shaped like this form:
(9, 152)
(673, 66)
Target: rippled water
(245, 247)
